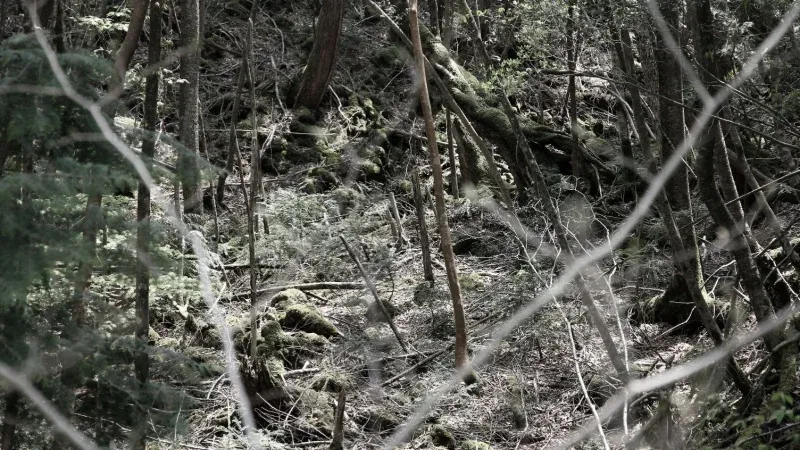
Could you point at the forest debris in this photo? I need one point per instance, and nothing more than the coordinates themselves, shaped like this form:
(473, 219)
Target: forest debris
(441, 437)
(289, 297)
(302, 287)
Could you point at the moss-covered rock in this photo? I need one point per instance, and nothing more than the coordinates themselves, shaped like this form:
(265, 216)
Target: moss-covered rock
(318, 180)
(299, 347)
(168, 343)
(332, 381)
(306, 318)
(348, 198)
(471, 281)
(375, 314)
(287, 298)
(304, 115)
(441, 437)
(377, 420)
(474, 445)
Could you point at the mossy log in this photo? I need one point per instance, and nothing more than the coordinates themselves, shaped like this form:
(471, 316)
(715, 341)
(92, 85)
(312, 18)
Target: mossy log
(484, 109)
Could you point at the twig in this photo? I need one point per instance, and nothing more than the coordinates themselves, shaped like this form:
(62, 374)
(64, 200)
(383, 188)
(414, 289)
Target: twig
(417, 365)
(374, 292)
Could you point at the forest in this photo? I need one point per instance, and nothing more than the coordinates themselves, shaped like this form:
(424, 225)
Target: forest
(399, 224)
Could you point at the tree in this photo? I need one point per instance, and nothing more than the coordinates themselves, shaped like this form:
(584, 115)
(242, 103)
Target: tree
(462, 358)
(322, 60)
(188, 107)
(143, 231)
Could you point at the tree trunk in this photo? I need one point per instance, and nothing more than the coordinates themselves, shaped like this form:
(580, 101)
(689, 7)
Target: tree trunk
(451, 155)
(188, 167)
(677, 210)
(462, 358)
(231, 158)
(142, 361)
(322, 60)
(723, 217)
(131, 41)
(424, 240)
(13, 400)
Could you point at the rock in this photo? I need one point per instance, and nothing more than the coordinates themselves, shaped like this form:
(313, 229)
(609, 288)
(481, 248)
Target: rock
(377, 420)
(440, 437)
(305, 115)
(375, 314)
(307, 318)
(152, 336)
(289, 297)
(474, 445)
(263, 381)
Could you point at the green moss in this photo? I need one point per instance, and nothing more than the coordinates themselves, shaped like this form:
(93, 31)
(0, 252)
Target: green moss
(307, 318)
(273, 337)
(332, 381)
(289, 297)
(474, 445)
(441, 437)
(471, 281)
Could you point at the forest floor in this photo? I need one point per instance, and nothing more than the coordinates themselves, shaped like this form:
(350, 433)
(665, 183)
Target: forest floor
(529, 394)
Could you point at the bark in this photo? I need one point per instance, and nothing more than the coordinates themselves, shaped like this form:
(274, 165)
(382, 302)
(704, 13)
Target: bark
(424, 240)
(189, 108)
(9, 427)
(3, 6)
(231, 158)
(322, 60)
(676, 209)
(451, 155)
(58, 29)
(707, 49)
(142, 361)
(579, 168)
(462, 358)
(338, 423)
(131, 41)
(251, 200)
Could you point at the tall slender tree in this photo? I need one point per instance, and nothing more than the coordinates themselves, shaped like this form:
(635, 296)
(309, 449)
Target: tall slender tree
(142, 361)
(189, 107)
(462, 358)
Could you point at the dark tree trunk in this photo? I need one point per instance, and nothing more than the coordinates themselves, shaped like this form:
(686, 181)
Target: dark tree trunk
(141, 361)
(189, 113)
(13, 401)
(322, 60)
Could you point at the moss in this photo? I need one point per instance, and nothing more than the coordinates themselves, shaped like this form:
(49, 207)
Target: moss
(307, 318)
(441, 437)
(317, 410)
(152, 336)
(168, 343)
(474, 445)
(381, 340)
(273, 337)
(471, 281)
(304, 115)
(287, 298)
(332, 381)
(347, 198)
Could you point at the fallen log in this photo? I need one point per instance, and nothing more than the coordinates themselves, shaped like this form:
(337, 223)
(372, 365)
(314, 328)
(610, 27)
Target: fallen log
(332, 285)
